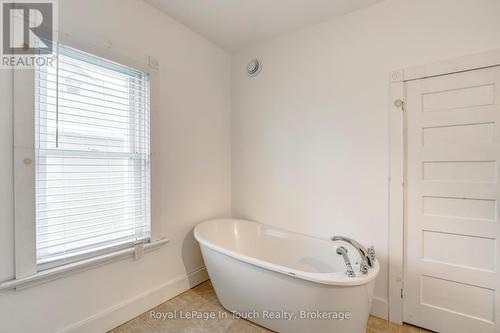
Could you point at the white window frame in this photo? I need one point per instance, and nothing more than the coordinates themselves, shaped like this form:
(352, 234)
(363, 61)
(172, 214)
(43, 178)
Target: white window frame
(26, 269)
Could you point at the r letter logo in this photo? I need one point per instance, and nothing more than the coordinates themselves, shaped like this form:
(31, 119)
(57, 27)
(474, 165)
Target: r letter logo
(28, 31)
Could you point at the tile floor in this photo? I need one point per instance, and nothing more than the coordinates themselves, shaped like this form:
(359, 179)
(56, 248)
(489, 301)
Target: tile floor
(203, 299)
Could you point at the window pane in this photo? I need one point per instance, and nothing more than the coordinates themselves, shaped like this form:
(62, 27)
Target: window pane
(92, 171)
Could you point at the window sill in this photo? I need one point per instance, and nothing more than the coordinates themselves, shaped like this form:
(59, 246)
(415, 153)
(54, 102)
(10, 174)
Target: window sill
(64, 270)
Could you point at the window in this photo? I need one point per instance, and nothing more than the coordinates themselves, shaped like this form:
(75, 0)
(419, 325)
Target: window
(92, 157)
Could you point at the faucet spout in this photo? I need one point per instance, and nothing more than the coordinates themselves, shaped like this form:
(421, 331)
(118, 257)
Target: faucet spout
(367, 255)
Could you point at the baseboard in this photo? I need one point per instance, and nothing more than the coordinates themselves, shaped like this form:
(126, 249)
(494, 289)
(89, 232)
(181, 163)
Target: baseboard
(133, 307)
(380, 308)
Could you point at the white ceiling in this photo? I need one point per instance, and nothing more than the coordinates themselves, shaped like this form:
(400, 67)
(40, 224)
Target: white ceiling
(234, 24)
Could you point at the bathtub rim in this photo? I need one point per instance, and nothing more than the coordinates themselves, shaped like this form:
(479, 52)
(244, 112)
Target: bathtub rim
(333, 279)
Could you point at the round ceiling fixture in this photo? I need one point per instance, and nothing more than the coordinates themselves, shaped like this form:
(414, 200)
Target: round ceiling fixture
(254, 67)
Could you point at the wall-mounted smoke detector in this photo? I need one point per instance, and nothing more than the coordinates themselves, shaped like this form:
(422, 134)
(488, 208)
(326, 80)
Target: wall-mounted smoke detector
(254, 67)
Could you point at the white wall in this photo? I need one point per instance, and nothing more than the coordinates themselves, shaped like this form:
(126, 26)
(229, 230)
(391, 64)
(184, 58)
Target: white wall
(310, 133)
(195, 164)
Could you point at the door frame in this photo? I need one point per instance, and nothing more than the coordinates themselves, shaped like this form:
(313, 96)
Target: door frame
(397, 160)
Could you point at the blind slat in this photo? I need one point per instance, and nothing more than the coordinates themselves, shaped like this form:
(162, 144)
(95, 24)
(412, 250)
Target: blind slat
(80, 98)
(86, 71)
(67, 109)
(62, 216)
(82, 199)
(132, 229)
(68, 207)
(51, 115)
(96, 103)
(80, 186)
(69, 223)
(67, 229)
(48, 85)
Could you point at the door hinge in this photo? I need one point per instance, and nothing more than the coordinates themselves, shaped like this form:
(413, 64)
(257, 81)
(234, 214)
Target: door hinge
(402, 294)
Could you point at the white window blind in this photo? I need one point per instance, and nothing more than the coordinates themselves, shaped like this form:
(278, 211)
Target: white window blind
(92, 157)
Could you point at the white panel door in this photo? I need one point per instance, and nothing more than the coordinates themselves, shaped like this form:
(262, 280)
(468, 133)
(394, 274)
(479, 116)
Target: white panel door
(452, 259)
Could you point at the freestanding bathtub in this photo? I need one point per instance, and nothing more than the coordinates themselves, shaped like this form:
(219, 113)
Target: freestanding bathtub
(285, 281)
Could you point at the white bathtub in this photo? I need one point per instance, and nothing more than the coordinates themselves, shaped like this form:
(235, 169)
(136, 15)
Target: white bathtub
(262, 272)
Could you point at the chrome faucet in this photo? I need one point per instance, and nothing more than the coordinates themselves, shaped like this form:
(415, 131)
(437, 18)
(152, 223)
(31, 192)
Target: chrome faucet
(367, 255)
